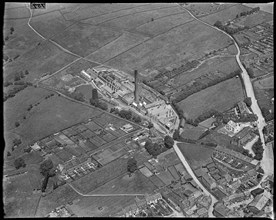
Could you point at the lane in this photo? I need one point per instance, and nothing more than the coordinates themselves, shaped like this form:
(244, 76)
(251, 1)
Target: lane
(267, 162)
(190, 171)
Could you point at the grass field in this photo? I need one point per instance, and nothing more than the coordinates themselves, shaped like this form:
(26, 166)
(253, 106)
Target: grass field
(84, 39)
(201, 9)
(160, 12)
(19, 200)
(137, 183)
(163, 24)
(89, 206)
(226, 14)
(61, 196)
(182, 43)
(52, 115)
(196, 155)
(50, 24)
(264, 96)
(119, 45)
(255, 19)
(219, 97)
(266, 83)
(44, 58)
(17, 12)
(101, 176)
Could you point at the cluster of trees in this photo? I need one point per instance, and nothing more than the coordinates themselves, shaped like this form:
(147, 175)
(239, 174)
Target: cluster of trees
(47, 170)
(248, 101)
(48, 96)
(12, 92)
(132, 165)
(247, 118)
(258, 150)
(267, 115)
(99, 104)
(246, 153)
(19, 162)
(168, 141)
(250, 72)
(127, 114)
(178, 109)
(11, 32)
(196, 87)
(204, 116)
(228, 29)
(153, 149)
(76, 95)
(249, 12)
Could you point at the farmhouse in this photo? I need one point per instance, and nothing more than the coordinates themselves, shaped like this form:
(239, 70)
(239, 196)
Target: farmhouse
(221, 210)
(258, 203)
(242, 108)
(243, 137)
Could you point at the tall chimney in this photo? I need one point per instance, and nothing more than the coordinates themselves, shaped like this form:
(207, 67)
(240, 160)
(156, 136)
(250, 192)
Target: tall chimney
(136, 92)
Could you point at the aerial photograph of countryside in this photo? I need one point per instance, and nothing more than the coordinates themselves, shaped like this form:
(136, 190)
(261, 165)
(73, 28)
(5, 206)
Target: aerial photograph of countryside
(138, 110)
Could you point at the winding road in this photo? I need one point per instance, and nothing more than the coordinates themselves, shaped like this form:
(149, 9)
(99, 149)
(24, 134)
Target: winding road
(267, 161)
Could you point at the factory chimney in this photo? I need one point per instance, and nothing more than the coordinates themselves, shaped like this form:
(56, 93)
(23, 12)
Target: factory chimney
(136, 90)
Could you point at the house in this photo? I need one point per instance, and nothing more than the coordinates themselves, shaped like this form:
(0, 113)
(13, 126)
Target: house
(258, 203)
(221, 210)
(242, 108)
(36, 147)
(208, 181)
(243, 137)
(257, 191)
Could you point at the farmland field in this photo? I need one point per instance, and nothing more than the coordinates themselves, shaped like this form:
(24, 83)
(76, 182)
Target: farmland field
(220, 97)
(101, 176)
(226, 14)
(89, 206)
(52, 115)
(18, 194)
(84, 39)
(173, 47)
(17, 12)
(266, 83)
(44, 58)
(137, 183)
(195, 154)
(50, 24)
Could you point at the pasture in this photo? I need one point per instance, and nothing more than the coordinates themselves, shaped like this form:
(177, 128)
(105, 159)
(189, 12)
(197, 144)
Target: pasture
(101, 176)
(137, 183)
(173, 47)
(220, 97)
(266, 83)
(84, 39)
(255, 19)
(224, 15)
(196, 155)
(52, 115)
(61, 196)
(18, 197)
(126, 13)
(18, 12)
(89, 206)
(44, 58)
(119, 45)
(50, 24)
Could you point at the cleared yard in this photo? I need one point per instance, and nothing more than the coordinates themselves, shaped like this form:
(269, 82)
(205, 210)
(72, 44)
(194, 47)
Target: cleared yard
(196, 155)
(220, 97)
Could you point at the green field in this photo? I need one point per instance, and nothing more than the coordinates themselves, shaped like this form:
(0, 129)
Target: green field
(19, 199)
(61, 196)
(50, 116)
(89, 206)
(44, 58)
(137, 183)
(196, 155)
(173, 47)
(220, 97)
(203, 9)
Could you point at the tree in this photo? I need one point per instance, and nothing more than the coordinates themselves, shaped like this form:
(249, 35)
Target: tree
(46, 166)
(16, 124)
(265, 112)
(168, 141)
(26, 72)
(19, 162)
(125, 114)
(132, 165)
(103, 106)
(12, 29)
(94, 102)
(8, 153)
(218, 24)
(137, 119)
(150, 125)
(95, 94)
(17, 77)
(176, 135)
(248, 101)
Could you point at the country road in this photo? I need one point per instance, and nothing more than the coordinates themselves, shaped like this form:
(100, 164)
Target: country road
(267, 161)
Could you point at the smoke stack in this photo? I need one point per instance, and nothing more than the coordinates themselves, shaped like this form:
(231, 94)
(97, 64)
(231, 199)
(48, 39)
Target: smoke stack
(136, 93)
